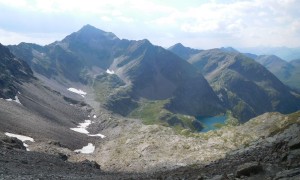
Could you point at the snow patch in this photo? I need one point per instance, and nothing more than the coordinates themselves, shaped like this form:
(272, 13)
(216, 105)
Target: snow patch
(21, 138)
(110, 71)
(100, 135)
(90, 148)
(85, 124)
(77, 91)
(94, 116)
(82, 128)
(15, 100)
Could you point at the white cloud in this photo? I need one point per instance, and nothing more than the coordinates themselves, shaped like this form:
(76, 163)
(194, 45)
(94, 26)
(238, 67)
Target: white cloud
(125, 19)
(8, 38)
(147, 6)
(212, 22)
(106, 18)
(268, 21)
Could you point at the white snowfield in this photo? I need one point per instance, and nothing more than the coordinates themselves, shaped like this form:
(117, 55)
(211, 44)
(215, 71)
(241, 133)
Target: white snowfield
(90, 148)
(110, 71)
(82, 128)
(16, 100)
(77, 91)
(21, 138)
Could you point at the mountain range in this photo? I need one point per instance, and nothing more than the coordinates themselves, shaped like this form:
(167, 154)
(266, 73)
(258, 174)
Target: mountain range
(94, 101)
(285, 71)
(144, 77)
(246, 87)
(143, 74)
(285, 53)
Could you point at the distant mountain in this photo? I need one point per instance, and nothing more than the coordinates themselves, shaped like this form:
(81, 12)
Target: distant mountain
(182, 51)
(250, 55)
(13, 71)
(284, 53)
(287, 72)
(277, 66)
(228, 49)
(124, 73)
(214, 64)
(294, 80)
(245, 86)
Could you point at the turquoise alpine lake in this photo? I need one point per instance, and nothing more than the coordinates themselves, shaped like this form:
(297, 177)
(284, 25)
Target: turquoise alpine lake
(210, 122)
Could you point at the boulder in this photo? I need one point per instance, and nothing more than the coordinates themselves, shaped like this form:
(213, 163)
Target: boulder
(11, 142)
(55, 143)
(248, 169)
(63, 156)
(294, 143)
(91, 164)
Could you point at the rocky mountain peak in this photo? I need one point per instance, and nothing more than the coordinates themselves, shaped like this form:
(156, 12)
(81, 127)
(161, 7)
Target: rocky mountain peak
(182, 51)
(177, 46)
(89, 33)
(229, 49)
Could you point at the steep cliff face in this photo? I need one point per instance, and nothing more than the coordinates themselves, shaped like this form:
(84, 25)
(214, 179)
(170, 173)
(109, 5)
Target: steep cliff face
(13, 71)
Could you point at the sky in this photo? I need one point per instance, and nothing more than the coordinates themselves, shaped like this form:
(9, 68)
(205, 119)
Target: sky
(195, 23)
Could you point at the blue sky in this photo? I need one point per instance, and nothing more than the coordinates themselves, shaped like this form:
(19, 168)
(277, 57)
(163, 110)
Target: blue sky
(195, 23)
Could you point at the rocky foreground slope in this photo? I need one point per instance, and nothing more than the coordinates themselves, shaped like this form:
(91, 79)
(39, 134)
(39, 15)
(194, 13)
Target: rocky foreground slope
(265, 147)
(274, 157)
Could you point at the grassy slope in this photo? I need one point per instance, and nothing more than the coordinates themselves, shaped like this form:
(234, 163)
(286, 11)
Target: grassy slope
(153, 112)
